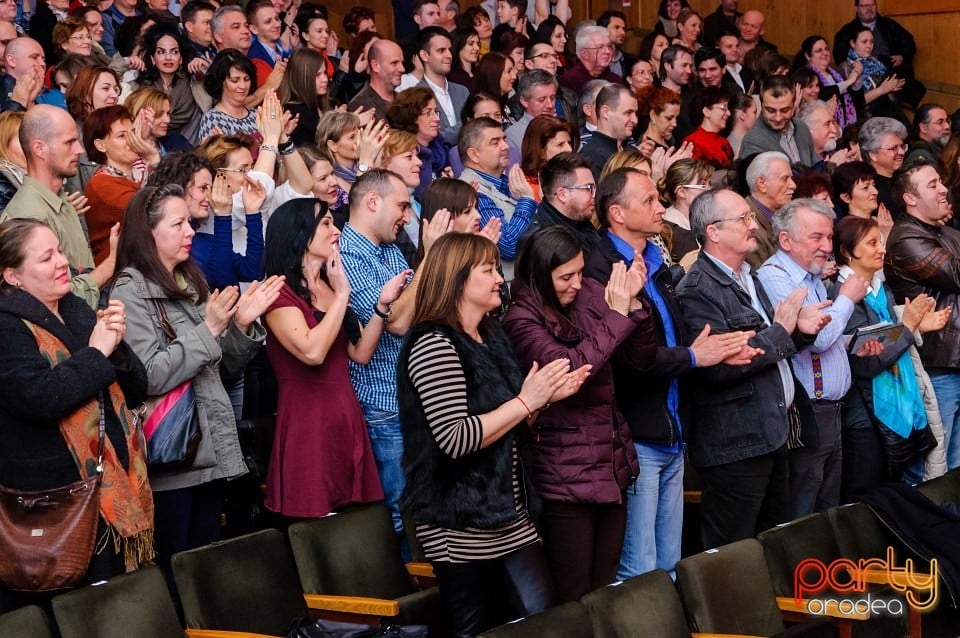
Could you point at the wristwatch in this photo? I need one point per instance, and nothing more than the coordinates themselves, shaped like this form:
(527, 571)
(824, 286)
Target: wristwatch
(382, 315)
(362, 168)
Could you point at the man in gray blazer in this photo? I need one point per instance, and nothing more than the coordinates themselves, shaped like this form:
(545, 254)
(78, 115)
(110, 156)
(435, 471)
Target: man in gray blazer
(777, 129)
(436, 54)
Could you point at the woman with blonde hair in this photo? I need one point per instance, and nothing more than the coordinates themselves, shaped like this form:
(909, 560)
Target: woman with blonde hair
(353, 150)
(684, 180)
(325, 186)
(689, 28)
(150, 109)
(13, 163)
(401, 154)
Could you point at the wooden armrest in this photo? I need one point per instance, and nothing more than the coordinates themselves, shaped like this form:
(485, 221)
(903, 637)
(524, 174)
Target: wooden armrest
(898, 580)
(422, 570)
(353, 605)
(692, 496)
(220, 633)
(788, 604)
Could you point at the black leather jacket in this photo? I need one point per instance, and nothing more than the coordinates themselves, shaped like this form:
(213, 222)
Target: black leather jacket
(926, 259)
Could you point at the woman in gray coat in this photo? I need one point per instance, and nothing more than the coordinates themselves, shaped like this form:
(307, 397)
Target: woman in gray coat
(216, 333)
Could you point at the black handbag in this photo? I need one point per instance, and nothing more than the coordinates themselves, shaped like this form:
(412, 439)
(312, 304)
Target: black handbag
(331, 629)
(902, 452)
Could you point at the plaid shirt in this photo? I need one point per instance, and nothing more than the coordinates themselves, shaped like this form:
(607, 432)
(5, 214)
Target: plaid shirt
(368, 267)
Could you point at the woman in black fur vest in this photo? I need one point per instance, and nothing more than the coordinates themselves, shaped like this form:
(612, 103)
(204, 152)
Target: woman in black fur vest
(462, 396)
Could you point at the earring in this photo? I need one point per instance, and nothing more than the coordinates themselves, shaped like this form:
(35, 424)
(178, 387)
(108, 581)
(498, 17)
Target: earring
(19, 284)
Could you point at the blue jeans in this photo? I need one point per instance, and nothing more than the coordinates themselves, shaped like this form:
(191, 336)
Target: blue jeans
(654, 514)
(947, 389)
(387, 443)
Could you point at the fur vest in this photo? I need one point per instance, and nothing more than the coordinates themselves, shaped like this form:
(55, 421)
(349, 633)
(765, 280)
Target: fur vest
(475, 490)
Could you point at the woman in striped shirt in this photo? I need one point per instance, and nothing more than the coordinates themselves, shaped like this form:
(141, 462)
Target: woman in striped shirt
(462, 396)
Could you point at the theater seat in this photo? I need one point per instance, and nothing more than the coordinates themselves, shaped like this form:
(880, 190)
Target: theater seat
(26, 622)
(357, 553)
(134, 604)
(646, 605)
(569, 620)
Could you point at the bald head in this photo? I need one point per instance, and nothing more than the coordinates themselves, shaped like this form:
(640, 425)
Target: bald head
(752, 26)
(8, 32)
(50, 142)
(385, 59)
(22, 55)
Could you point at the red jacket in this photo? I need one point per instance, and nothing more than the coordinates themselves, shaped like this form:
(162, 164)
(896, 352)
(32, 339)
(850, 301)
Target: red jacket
(583, 450)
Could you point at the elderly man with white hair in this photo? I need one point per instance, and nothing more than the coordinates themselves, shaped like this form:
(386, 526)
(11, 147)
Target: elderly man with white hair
(825, 131)
(771, 185)
(594, 55)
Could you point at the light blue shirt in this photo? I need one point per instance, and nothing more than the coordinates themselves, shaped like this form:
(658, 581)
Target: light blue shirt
(780, 276)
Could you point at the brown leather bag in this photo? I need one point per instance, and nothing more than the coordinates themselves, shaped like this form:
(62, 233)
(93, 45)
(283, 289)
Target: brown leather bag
(47, 538)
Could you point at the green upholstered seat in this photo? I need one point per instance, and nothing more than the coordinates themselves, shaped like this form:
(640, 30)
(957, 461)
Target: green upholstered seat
(569, 620)
(26, 622)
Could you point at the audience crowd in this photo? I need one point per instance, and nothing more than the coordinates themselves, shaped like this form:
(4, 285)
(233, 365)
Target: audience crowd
(501, 273)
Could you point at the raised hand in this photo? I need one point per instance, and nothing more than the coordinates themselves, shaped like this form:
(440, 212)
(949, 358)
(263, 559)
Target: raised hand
(854, 288)
(617, 293)
(255, 301)
(885, 222)
(493, 230)
(79, 202)
(107, 331)
(709, 349)
(915, 310)
(198, 66)
(433, 229)
(336, 276)
(371, 140)
(541, 383)
(221, 198)
(572, 382)
(637, 275)
(810, 319)
(221, 306)
(253, 195)
(270, 118)
(394, 287)
(933, 321)
(787, 311)
(518, 184)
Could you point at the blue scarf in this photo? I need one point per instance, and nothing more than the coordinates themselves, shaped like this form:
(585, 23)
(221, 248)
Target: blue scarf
(873, 68)
(897, 402)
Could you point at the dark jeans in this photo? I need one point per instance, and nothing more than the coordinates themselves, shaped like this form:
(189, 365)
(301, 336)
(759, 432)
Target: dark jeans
(815, 473)
(582, 542)
(185, 519)
(483, 594)
(743, 498)
(864, 462)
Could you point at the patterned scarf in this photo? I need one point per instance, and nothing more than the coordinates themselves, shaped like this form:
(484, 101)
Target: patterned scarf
(126, 501)
(846, 111)
(873, 68)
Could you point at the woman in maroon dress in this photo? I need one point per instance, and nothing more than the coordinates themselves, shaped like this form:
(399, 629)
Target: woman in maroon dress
(322, 459)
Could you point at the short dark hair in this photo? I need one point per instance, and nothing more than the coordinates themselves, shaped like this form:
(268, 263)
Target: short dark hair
(604, 18)
(610, 95)
(810, 182)
(406, 106)
(922, 116)
(97, 126)
(902, 182)
(845, 178)
(353, 18)
(471, 131)
(220, 68)
(255, 6)
(847, 233)
(190, 10)
(709, 53)
(777, 86)
(669, 56)
(803, 76)
(425, 35)
(610, 191)
(705, 98)
(179, 168)
(558, 169)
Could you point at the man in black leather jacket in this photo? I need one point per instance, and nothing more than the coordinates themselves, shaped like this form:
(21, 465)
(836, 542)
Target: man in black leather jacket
(923, 256)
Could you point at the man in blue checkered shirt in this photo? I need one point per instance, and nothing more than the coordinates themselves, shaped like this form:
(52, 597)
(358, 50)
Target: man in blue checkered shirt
(379, 208)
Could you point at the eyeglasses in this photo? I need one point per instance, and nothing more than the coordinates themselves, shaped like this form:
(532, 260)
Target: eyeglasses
(430, 112)
(606, 47)
(590, 188)
(722, 107)
(243, 170)
(746, 218)
(548, 56)
(80, 37)
(695, 187)
(897, 148)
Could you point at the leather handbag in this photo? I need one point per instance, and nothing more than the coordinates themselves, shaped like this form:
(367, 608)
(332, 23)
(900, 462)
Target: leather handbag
(47, 538)
(321, 628)
(170, 422)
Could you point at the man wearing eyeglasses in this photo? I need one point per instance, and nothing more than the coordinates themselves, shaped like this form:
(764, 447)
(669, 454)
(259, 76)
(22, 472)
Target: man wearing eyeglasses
(738, 428)
(540, 55)
(594, 54)
(931, 132)
(568, 200)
